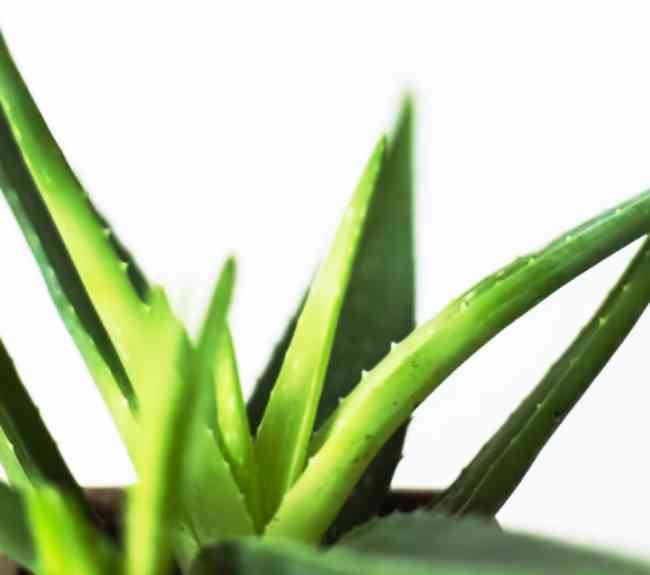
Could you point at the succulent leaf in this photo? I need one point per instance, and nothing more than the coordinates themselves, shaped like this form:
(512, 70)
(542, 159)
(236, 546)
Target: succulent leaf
(65, 541)
(63, 281)
(103, 298)
(480, 547)
(416, 544)
(283, 436)
(26, 436)
(165, 419)
(9, 463)
(493, 475)
(379, 309)
(233, 429)
(15, 535)
(210, 481)
(387, 395)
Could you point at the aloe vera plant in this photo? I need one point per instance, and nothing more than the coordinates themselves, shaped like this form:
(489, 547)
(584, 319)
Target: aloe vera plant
(294, 480)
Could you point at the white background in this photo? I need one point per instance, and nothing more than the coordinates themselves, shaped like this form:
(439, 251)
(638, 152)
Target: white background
(208, 128)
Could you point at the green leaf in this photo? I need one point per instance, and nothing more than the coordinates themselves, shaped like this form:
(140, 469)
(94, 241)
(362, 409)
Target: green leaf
(10, 464)
(233, 429)
(415, 544)
(379, 309)
(215, 508)
(101, 294)
(388, 394)
(66, 542)
(27, 437)
(223, 403)
(479, 547)
(260, 396)
(15, 536)
(72, 251)
(165, 419)
(213, 504)
(493, 475)
(283, 436)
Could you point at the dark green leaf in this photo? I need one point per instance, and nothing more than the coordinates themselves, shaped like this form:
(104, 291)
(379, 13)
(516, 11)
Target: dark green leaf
(383, 279)
(31, 442)
(379, 310)
(415, 544)
(15, 537)
(388, 394)
(493, 475)
(428, 537)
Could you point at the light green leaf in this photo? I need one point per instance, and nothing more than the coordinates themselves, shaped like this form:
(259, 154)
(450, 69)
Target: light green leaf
(164, 423)
(84, 275)
(100, 293)
(493, 475)
(15, 536)
(233, 428)
(214, 506)
(388, 394)
(283, 436)
(64, 539)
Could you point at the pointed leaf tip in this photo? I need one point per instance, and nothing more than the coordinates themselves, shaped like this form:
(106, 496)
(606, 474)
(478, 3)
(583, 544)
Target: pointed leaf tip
(284, 434)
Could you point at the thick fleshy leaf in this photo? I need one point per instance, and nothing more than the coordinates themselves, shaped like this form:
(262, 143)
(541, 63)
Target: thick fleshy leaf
(480, 547)
(28, 439)
(388, 394)
(283, 436)
(214, 506)
(233, 429)
(15, 536)
(72, 248)
(101, 294)
(183, 477)
(493, 475)
(416, 544)
(379, 309)
(65, 541)
(383, 278)
(164, 437)
(10, 464)
(260, 397)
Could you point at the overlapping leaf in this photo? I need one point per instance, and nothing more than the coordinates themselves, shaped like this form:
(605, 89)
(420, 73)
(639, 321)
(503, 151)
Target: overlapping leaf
(416, 544)
(479, 547)
(15, 535)
(493, 475)
(284, 433)
(386, 397)
(65, 541)
(27, 438)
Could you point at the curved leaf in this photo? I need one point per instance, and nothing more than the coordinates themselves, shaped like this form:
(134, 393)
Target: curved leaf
(379, 309)
(493, 475)
(387, 395)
